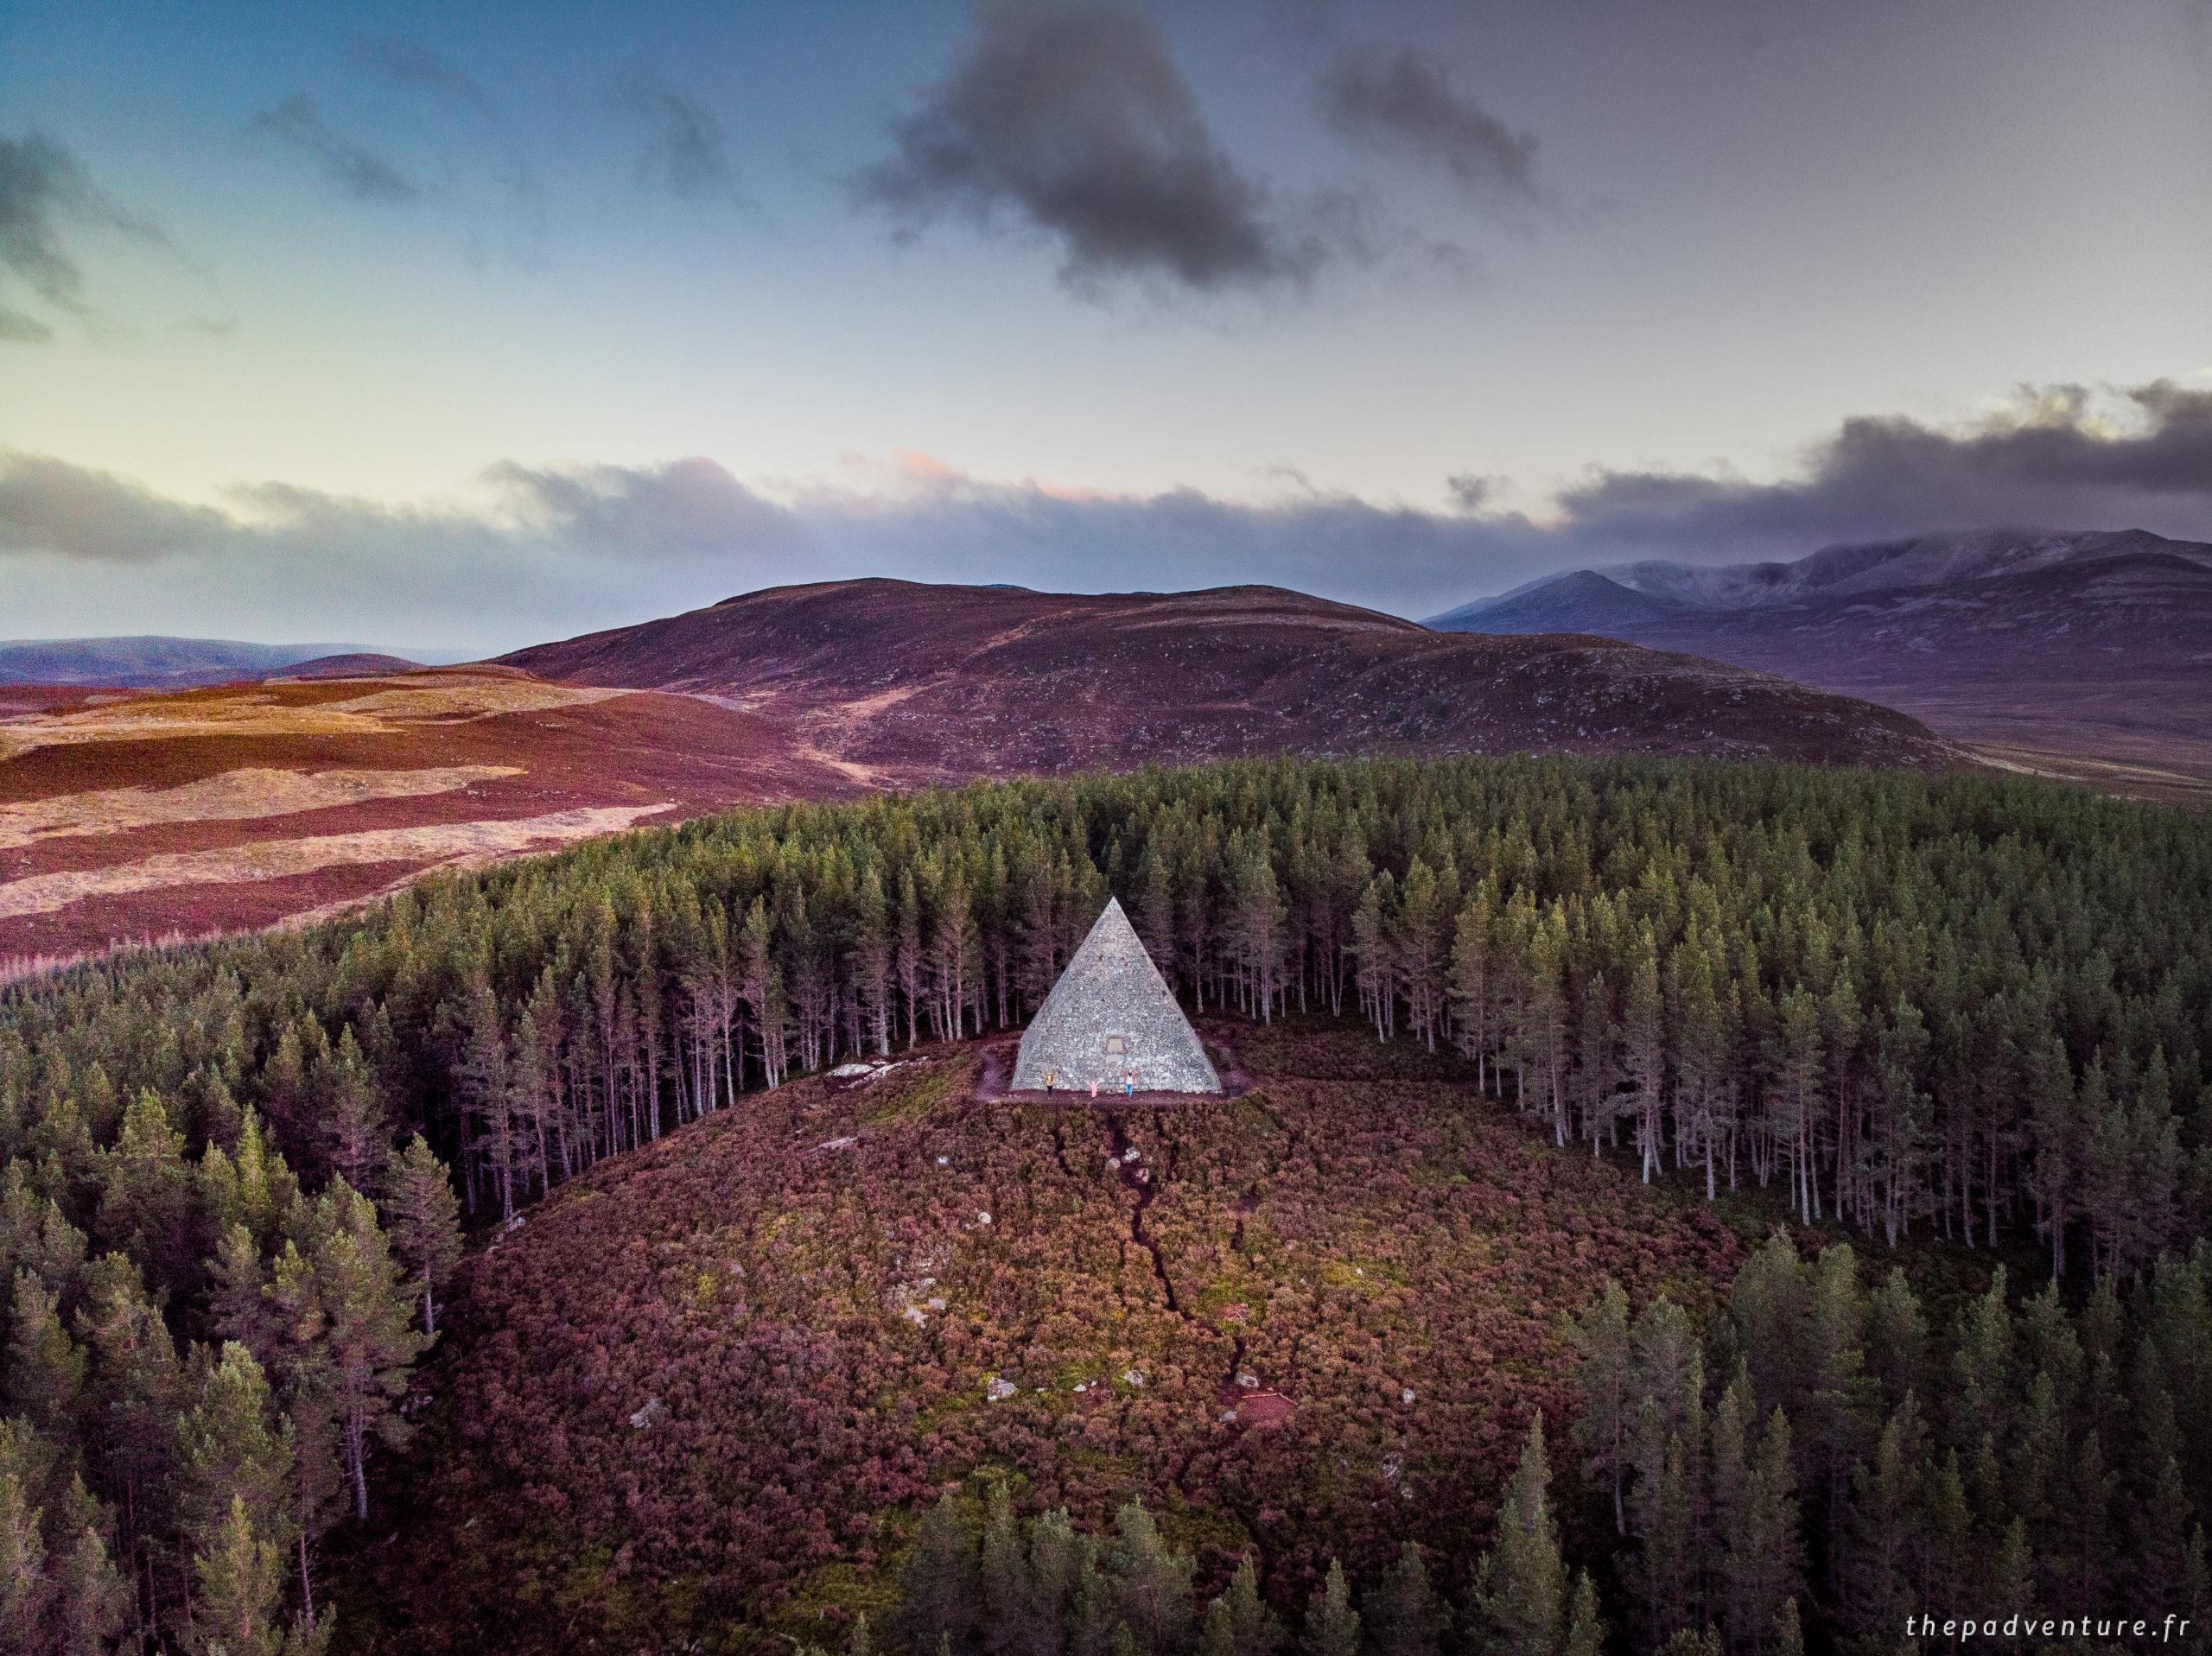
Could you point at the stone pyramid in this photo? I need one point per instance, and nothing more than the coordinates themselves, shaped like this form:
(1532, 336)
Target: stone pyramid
(1112, 1013)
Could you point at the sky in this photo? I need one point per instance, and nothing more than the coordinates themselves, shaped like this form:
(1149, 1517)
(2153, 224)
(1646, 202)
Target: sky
(457, 327)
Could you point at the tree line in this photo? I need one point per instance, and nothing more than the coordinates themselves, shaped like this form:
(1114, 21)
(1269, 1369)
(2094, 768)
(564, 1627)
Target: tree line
(978, 1581)
(1821, 1446)
(1968, 1007)
(1818, 1465)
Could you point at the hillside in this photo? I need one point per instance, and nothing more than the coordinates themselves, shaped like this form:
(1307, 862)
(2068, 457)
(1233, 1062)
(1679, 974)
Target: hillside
(896, 682)
(2091, 650)
(1314, 1321)
(153, 662)
(148, 815)
(692, 1387)
(126, 817)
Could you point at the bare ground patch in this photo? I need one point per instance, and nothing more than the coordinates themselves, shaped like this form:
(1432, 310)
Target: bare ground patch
(250, 792)
(445, 842)
(287, 710)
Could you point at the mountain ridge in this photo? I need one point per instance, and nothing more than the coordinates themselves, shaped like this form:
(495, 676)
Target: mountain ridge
(161, 661)
(2094, 647)
(890, 677)
(194, 810)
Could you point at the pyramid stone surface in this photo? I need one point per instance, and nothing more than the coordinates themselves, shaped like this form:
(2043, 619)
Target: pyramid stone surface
(1111, 1012)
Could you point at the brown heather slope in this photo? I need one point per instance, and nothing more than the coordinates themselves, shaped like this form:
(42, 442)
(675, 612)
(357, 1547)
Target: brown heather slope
(710, 1385)
(152, 815)
(149, 816)
(911, 684)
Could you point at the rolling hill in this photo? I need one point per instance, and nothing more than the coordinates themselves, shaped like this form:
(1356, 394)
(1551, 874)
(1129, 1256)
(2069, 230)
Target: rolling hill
(900, 682)
(158, 663)
(239, 805)
(1313, 1322)
(2092, 649)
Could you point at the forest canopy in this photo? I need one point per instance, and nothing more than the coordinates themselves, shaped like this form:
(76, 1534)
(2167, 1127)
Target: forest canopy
(1958, 1007)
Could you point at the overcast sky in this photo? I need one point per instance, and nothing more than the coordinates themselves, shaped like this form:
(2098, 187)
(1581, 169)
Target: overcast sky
(468, 325)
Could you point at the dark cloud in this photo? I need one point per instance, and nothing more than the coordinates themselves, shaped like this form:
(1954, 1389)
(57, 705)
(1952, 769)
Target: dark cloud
(613, 512)
(414, 67)
(685, 506)
(689, 152)
(42, 189)
(563, 547)
(569, 547)
(49, 505)
(1072, 120)
(1470, 491)
(2061, 456)
(1399, 102)
(354, 171)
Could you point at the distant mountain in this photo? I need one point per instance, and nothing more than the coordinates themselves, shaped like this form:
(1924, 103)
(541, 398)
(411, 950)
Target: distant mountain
(2097, 645)
(910, 683)
(154, 662)
(1584, 601)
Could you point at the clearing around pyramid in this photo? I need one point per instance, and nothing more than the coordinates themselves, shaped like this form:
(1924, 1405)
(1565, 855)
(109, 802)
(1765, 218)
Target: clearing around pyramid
(1111, 1022)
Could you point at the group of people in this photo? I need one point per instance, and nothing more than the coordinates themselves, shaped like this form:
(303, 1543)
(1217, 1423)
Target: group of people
(1128, 1083)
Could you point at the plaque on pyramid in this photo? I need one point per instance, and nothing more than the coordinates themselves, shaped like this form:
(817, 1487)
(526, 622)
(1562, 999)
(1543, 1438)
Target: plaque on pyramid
(1111, 1024)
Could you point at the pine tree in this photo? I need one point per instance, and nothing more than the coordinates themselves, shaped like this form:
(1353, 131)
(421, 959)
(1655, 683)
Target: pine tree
(1644, 1051)
(25, 1594)
(234, 1450)
(1767, 1306)
(1585, 1628)
(353, 1117)
(91, 1601)
(45, 1378)
(425, 1221)
(1402, 1615)
(240, 1574)
(1521, 1586)
(135, 1375)
(1981, 1365)
(145, 1208)
(2090, 1519)
(1896, 1342)
(939, 1581)
(1003, 1575)
(368, 1339)
(1788, 1632)
(1763, 1564)
(1605, 1377)
(1151, 1584)
(484, 1083)
(2013, 1577)
(1839, 1404)
(1239, 1622)
(1058, 1561)
(1878, 1524)
(1331, 1624)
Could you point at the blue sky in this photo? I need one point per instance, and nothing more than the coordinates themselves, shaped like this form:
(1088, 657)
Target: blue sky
(466, 326)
